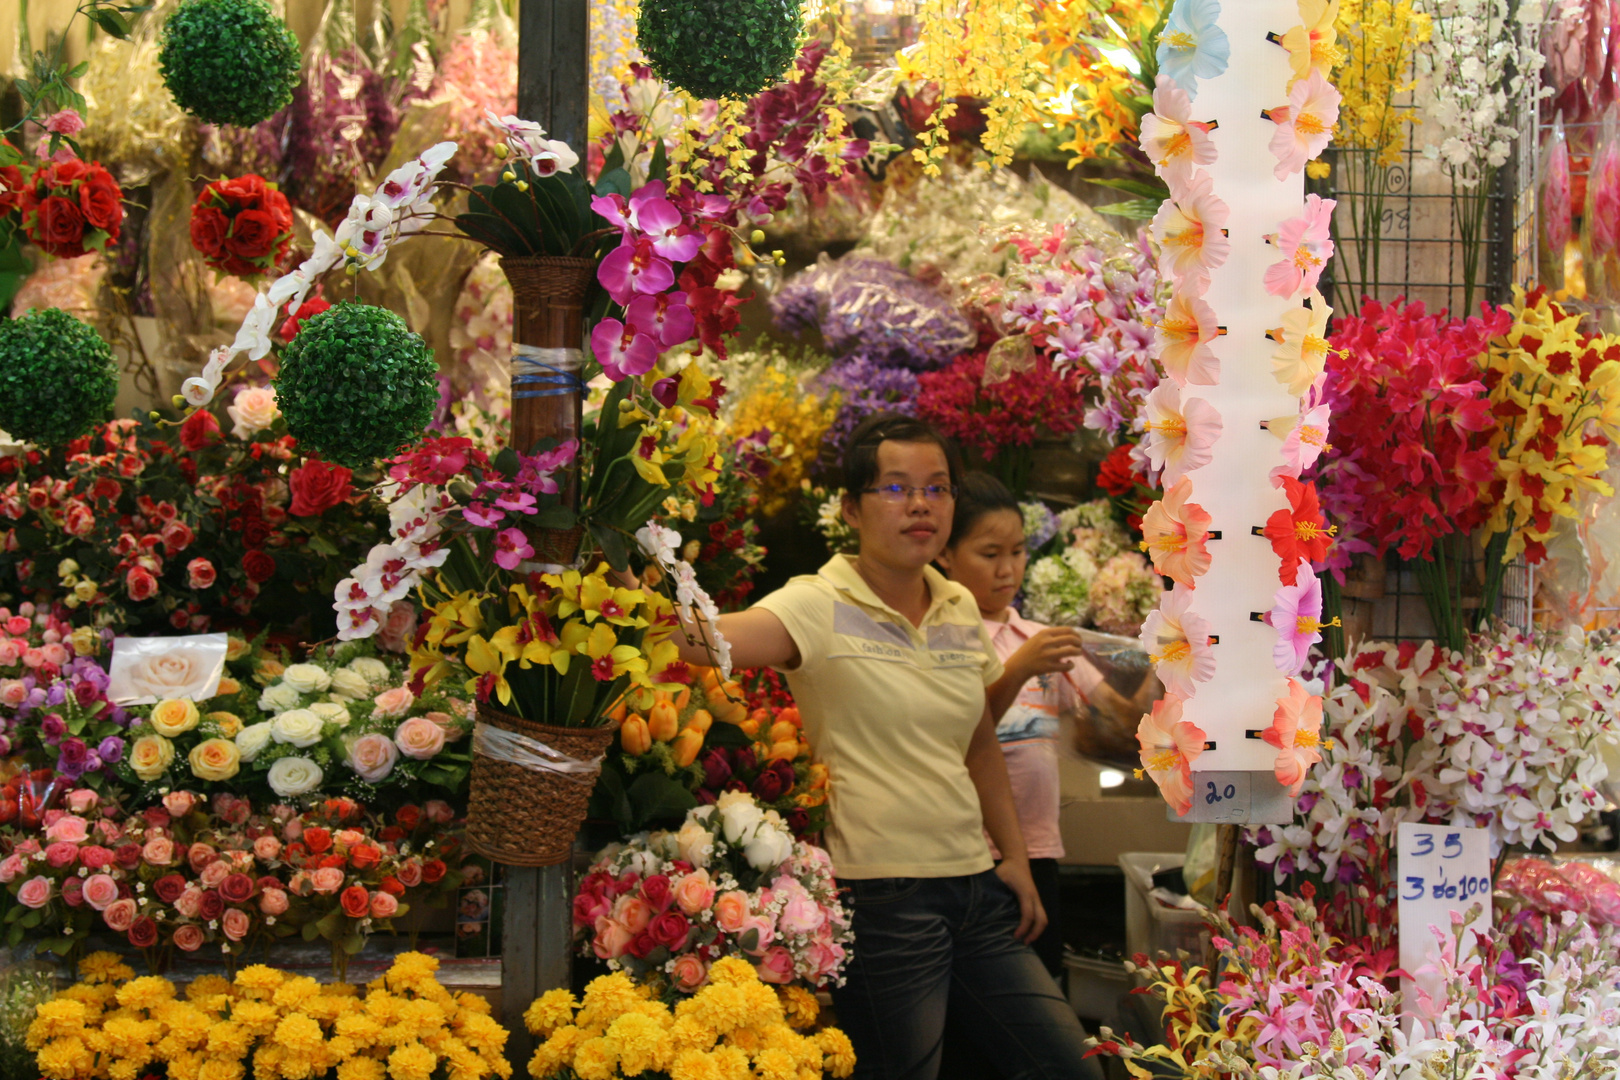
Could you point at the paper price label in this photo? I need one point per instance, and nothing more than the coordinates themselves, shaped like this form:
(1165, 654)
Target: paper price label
(1442, 869)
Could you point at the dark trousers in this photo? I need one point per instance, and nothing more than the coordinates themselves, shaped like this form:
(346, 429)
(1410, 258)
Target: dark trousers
(927, 946)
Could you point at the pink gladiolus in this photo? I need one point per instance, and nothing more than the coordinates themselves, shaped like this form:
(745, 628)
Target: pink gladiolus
(1296, 615)
(1296, 732)
(1176, 640)
(511, 548)
(1180, 434)
(1169, 746)
(623, 351)
(1189, 229)
(1171, 138)
(1306, 246)
(1182, 338)
(1305, 124)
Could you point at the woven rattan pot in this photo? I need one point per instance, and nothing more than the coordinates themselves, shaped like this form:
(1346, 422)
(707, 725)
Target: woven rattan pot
(527, 817)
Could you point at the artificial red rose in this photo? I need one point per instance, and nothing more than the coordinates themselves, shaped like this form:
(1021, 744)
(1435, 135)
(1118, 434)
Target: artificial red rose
(102, 201)
(208, 228)
(1117, 475)
(177, 536)
(655, 890)
(143, 933)
(255, 532)
(393, 886)
(670, 929)
(433, 870)
(409, 816)
(59, 227)
(295, 322)
(63, 173)
(11, 188)
(200, 574)
(318, 840)
(258, 566)
(141, 584)
(364, 856)
(188, 937)
(318, 486)
(642, 945)
(356, 902)
(212, 905)
(246, 190)
(253, 234)
(280, 209)
(157, 817)
(169, 887)
(236, 889)
(201, 429)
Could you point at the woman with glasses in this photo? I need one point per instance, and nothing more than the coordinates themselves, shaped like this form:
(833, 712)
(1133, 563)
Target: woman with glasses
(888, 662)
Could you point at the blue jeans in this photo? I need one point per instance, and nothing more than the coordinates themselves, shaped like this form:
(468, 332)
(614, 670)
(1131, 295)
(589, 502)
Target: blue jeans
(925, 945)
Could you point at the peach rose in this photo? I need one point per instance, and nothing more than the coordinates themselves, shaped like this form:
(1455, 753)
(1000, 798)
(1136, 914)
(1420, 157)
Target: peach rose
(731, 911)
(253, 409)
(236, 923)
(188, 937)
(151, 756)
(69, 828)
(273, 901)
(13, 692)
(776, 966)
(120, 915)
(452, 727)
(214, 760)
(35, 892)
(694, 892)
(100, 890)
(10, 867)
(372, 757)
(392, 703)
(189, 902)
(200, 855)
(611, 940)
(383, 906)
(82, 800)
(419, 737)
(174, 717)
(633, 913)
(214, 873)
(689, 973)
(267, 847)
(764, 928)
(158, 851)
(328, 879)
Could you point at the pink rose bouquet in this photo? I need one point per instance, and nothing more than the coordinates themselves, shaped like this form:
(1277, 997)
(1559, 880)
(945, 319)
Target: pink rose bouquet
(731, 881)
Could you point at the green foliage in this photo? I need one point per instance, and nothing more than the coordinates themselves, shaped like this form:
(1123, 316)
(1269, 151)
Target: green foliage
(57, 377)
(229, 61)
(720, 48)
(356, 384)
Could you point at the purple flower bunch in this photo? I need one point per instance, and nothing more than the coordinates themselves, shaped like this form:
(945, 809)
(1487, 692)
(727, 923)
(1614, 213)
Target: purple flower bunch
(638, 274)
(870, 309)
(864, 387)
(65, 715)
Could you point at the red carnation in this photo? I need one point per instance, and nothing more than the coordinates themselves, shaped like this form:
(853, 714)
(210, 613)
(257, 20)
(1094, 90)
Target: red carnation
(259, 566)
(208, 228)
(317, 487)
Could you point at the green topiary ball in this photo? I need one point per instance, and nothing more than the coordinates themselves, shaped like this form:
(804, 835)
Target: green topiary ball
(356, 384)
(720, 48)
(229, 61)
(57, 377)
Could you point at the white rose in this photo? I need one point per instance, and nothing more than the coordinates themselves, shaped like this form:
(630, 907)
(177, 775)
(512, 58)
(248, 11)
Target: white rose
(251, 740)
(351, 684)
(253, 410)
(290, 776)
(331, 712)
(279, 698)
(369, 668)
(768, 848)
(307, 678)
(297, 727)
(696, 844)
(739, 815)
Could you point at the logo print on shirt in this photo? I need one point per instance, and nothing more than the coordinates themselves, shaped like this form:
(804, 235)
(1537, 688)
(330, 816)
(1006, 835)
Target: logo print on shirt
(874, 638)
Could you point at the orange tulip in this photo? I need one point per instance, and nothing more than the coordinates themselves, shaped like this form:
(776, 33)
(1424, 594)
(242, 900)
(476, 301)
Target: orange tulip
(634, 736)
(783, 751)
(686, 746)
(818, 776)
(791, 715)
(701, 720)
(782, 731)
(663, 721)
(683, 698)
(750, 727)
(619, 711)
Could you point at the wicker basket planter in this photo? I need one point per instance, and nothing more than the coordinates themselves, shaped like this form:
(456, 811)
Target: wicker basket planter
(522, 815)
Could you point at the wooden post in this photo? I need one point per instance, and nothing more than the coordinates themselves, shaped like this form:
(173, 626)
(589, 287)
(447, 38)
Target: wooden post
(537, 927)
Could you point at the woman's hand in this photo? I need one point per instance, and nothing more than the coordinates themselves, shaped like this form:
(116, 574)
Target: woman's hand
(1014, 873)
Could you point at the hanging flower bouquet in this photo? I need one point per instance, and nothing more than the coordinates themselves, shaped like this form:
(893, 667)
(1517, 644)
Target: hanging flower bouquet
(69, 207)
(242, 226)
(731, 881)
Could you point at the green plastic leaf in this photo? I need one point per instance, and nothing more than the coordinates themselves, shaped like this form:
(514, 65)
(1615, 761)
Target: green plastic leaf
(658, 800)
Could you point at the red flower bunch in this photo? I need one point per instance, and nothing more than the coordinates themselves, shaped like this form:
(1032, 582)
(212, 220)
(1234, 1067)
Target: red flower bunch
(1011, 413)
(68, 207)
(242, 226)
(1412, 460)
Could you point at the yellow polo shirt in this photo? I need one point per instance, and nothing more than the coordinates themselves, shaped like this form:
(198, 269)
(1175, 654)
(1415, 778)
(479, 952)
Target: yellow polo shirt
(890, 708)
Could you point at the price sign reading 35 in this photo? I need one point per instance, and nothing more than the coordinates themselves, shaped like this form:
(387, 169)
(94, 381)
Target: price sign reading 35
(1442, 869)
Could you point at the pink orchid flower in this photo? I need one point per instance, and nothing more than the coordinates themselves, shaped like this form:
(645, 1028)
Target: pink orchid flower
(511, 548)
(634, 268)
(1305, 124)
(622, 350)
(1181, 434)
(1296, 615)
(1306, 246)
(1189, 228)
(659, 220)
(1169, 745)
(1182, 339)
(664, 316)
(1171, 138)
(1176, 640)
(1296, 732)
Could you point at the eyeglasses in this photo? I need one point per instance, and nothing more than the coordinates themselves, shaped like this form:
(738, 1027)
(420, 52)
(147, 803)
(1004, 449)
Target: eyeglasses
(902, 493)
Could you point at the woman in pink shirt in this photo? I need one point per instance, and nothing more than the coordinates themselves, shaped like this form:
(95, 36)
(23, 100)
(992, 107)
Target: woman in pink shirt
(1047, 678)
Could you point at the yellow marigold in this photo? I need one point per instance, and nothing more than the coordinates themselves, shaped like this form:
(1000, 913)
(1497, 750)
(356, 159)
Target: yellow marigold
(694, 1065)
(359, 1027)
(383, 1007)
(732, 971)
(411, 1061)
(293, 993)
(267, 1061)
(340, 990)
(186, 1066)
(596, 1059)
(145, 992)
(221, 1069)
(607, 997)
(105, 967)
(840, 1055)
(298, 1033)
(643, 1045)
(690, 1033)
(94, 996)
(799, 1005)
(131, 1038)
(361, 1068)
(732, 1063)
(775, 1064)
(123, 1069)
(56, 1018)
(65, 1058)
(258, 980)
(228, 1039)
(549, 1011)
(558, 1050)
(185, 1021)
(482, 1032)
(258, 1018)
(411, 968)
(478, 1003)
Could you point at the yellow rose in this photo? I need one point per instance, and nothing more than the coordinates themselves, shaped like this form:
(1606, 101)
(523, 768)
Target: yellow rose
(227, 687)
(268, 671)
(85, 590)
(175, 716)
(215, 759)
(86, 641)
(151, 756)
(228, 722)
(235, 648)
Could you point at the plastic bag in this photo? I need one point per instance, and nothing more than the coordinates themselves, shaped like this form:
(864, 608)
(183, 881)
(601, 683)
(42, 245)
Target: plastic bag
(1556, 211)
(147, 670)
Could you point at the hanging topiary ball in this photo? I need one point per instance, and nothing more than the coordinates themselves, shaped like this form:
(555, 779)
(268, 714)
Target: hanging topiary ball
(57, 377)
(229, 61)
(356, 384)
(720, 48)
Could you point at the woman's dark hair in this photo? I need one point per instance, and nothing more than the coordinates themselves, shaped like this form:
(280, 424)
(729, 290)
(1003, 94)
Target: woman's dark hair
(978, 494)
(860, 453)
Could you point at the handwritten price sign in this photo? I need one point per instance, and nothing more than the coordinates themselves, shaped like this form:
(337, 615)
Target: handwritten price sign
(1442, 869)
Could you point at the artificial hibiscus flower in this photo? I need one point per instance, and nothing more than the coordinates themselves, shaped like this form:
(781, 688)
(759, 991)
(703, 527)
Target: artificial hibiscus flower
(1180, 434)
(1299, 533)
(1296, 732)
(1193, 46)
(1190, 231)
(1176, 532)
(1169, 745)
(1305, 124)
(1302, 347)
(1171, 138)
(1176, 640)
(1304, 439)
(1182, 338)
(1306, 246)
(1296, 615)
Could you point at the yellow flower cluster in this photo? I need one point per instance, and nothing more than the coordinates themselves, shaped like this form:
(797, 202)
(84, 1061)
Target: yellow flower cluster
(1092, 93)
(796, 420)
(683, 433)
(1377, 40)
(267, 1024)
(735, 1028)
(1555, 396)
